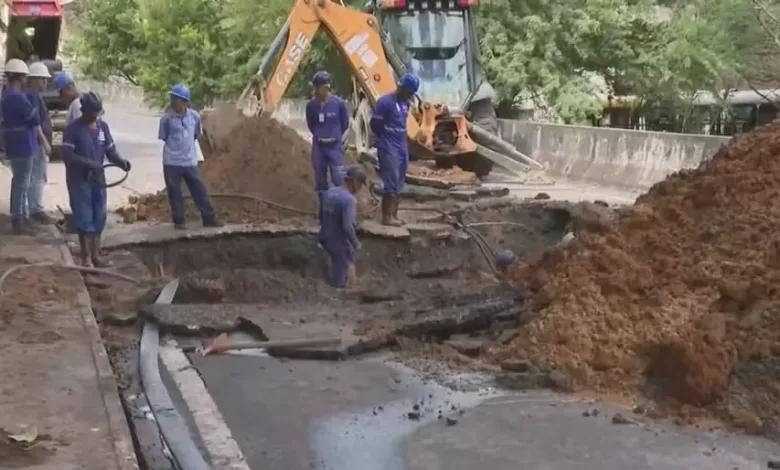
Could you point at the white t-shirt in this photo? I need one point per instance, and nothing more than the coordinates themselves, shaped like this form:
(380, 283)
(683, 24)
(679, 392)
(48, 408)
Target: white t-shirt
(74, 111)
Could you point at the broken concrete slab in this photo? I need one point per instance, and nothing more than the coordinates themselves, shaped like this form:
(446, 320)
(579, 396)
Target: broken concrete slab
(199, 319)
(372, 227)
(138, 234)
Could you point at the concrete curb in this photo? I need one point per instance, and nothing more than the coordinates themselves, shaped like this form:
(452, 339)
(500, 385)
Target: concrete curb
(119, 429)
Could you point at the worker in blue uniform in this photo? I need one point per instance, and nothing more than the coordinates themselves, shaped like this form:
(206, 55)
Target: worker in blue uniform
(389, 126)
(338, 227)
(180, 129)
(328, 118)
(86, 142)
(36, 83)
(23, 137)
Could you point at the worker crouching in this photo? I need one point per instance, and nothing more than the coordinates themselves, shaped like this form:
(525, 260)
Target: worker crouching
(327, 117)
(389, 126)
(338, 229)
(86, 142)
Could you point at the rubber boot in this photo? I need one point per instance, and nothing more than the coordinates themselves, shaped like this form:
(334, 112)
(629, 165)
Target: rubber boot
(97, 260)
(387, 212)
(85, 248)
(396, 203)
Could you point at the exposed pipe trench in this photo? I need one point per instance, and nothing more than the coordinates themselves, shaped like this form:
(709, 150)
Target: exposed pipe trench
(171, 424)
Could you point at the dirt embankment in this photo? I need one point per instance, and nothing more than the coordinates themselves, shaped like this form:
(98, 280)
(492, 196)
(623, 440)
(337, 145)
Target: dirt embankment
(257, 157)
(673, 294)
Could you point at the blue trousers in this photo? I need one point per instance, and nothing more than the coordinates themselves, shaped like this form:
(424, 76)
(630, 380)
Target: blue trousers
(88, 204)
(392, 169)
(38, 180)
(324, 159)
(191, 176)
(341, 256)
(20, 185)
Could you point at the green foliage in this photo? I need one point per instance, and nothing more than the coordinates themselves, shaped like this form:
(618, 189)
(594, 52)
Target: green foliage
(543, 50)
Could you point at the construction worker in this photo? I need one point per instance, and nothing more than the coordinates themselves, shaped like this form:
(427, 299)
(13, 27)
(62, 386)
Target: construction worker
(180, 130)
(328, 118)
(23, 135)
(36, 83)
(389, 126)
(64, 84)
(86, 142)
(338, 227)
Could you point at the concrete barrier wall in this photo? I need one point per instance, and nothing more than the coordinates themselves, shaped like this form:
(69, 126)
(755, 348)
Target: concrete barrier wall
(613, 157)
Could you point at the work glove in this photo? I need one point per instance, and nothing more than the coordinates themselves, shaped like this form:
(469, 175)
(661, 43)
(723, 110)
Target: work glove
(125, 164)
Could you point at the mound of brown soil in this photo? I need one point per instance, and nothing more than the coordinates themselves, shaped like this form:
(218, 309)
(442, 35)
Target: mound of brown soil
(675, 291)
(260, 170)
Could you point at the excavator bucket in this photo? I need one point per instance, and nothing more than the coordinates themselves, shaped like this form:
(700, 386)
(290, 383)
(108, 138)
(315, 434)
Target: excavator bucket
(217, 123)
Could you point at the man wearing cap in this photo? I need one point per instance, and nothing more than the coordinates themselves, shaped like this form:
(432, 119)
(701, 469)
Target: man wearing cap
(338, 227)
(36, 83)
(328, 118)
(389, 126)
(23, 137)
(180, 130)
(86, 143)
(64, 84)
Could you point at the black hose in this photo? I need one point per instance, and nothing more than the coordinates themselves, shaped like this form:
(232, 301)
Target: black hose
(121, 180)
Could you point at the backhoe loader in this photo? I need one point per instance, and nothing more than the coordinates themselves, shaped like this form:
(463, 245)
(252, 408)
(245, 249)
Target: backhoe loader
(435, 131)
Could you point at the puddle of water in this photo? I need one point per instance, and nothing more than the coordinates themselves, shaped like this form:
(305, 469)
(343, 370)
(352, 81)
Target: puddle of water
(372, 438)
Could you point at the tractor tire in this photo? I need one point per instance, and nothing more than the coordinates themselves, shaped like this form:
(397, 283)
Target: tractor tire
(364, 138)
(483, 114)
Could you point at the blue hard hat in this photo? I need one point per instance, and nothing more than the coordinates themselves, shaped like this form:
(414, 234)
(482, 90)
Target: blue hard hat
(91, 103)
(410, 82)
(180, 90)
(321, 78)
(61, 80)
(505, 258)
(354, 172)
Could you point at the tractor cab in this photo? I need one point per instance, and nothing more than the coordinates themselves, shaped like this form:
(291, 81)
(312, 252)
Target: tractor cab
(436, 41)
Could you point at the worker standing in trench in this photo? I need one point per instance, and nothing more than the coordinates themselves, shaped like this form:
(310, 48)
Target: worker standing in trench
(179, 130)
(36, 82)
(23, 135)
(389, 126)
(338, 229)
(86, 142)
(328, 119)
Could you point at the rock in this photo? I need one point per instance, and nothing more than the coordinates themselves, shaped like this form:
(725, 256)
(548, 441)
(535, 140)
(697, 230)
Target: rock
(413, 415)
(129, 215)
(516, 365)
(465, 346)
(451, 421)
(620, 419)
(522, 381)
(541, 197)
(507, 336)
(773, 464)
(560, 381)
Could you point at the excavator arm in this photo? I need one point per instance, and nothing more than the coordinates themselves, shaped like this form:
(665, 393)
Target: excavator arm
(432, 130)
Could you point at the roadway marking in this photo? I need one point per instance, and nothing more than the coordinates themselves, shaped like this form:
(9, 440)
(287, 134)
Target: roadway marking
(222, 448)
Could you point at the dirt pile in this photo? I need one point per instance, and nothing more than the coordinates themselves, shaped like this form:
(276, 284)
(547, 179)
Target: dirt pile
(260, 159)
(673, 293)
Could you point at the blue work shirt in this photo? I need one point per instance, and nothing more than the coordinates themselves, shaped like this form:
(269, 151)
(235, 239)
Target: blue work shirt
(180, 133)
(84, 149)
(43, 114)
(339, 218)
(19, 122)
(389, 124)
(328, 120)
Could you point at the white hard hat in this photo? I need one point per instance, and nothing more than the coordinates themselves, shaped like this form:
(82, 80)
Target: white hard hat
(39, 69)
(16, 66)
